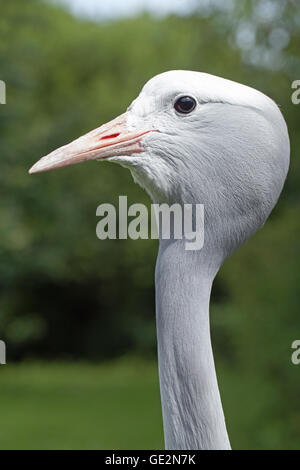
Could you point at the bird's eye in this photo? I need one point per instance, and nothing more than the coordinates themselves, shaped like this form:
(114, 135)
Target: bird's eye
(185, 104)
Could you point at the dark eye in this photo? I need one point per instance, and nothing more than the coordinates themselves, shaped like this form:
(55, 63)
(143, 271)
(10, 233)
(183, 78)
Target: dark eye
(185, 104)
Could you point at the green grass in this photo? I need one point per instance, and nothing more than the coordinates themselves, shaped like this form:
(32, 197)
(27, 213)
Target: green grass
(116, 405)
(80, 406)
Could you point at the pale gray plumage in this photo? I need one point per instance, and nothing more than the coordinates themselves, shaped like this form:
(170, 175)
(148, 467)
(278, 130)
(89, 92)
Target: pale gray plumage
(232, 155)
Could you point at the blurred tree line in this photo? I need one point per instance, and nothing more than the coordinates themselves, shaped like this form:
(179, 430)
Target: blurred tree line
(64, 293)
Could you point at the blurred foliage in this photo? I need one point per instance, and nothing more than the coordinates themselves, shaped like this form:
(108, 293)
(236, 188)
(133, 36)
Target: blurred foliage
(64, 293)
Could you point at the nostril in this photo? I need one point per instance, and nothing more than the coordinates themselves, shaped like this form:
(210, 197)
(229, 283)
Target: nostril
(110, 136)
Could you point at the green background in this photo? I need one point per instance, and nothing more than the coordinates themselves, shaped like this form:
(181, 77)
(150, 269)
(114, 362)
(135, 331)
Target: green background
(77, 314)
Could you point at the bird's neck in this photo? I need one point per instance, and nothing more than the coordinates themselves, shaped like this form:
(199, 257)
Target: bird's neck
(192, 410)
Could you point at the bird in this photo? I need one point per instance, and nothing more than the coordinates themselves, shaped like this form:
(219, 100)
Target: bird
(193, 138)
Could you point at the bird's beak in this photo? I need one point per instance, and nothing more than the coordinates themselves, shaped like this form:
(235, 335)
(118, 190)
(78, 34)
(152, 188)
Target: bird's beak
(110, 140)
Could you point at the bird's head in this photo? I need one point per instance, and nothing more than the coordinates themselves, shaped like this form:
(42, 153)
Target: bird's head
(191, 137)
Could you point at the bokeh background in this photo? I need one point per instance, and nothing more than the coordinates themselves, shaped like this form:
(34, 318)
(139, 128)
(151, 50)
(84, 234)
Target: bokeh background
(77, 314)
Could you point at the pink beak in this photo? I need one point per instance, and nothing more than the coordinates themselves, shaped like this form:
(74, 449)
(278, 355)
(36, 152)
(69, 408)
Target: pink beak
(110, 140)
